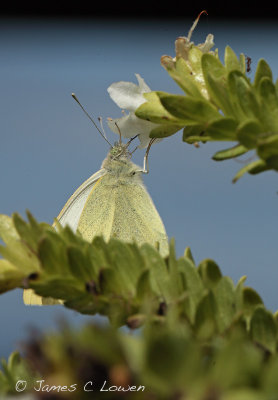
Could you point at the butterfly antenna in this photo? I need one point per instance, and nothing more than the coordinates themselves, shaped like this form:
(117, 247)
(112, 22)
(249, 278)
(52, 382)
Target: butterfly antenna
(91, 119)
(146, 162)
(120, 133)
(133, 150)
(102, 128)
(128, 143)
(195, 24)
(131, 139)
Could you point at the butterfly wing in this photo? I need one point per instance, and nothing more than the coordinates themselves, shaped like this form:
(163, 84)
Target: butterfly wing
(137, 219)
(97, 217)
(31, 298)
(69, 215)
(123, 211)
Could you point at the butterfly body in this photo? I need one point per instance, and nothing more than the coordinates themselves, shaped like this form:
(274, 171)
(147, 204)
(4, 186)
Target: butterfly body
(117, 204)
(113, 202)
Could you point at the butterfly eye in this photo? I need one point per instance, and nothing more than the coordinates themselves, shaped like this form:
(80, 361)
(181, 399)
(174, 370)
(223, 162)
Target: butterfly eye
(132, 173)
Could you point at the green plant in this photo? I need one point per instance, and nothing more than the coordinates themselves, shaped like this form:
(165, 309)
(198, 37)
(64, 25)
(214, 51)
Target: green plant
(220, 104)
(196, 334)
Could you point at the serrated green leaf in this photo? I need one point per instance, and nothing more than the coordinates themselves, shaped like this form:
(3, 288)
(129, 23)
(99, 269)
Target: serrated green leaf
(175, 283)
(192, 278)
(30, 236)
(10, 276)
(268, 93)
(225, 299)
(97, 252)
(192, 131)
(183, 76)
(152, 110)
(35, 226)
(195, 60)
(269, 103)
(79, 264)
(87, 304)
(58, 288)
(268, 150)
(195, 139)
(251, 299)
(144, 287)
(52, 253)
(188, 254)
(164, 131)
(7, 229)
(209, 272)
(212, 65)
(229, 153)
(118, 311)
(15, 251)
(189, 109)
(263, 329)
(67, 235)
(263, 70)
(248, 133)
(242, 62)
(223, 129)
(205, 323)
(239, 293)
(110, 282)
(216, 83)
(254, 167)
(126, 267)
(159, 275)
(193, 285)
(218, 91)
(243, 98)
(231, 60)
(271, 162)
(260, 167)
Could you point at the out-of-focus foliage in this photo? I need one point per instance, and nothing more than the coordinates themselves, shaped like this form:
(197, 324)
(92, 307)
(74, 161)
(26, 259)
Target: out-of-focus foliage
(14, 370)
(220, 104)
(202, 334)
(166, 361)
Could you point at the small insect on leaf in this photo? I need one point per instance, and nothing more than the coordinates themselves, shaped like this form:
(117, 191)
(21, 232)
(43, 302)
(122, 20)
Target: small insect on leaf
(248, 63)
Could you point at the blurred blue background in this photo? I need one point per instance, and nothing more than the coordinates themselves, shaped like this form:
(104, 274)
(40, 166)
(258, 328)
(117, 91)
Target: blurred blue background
(48, 146)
